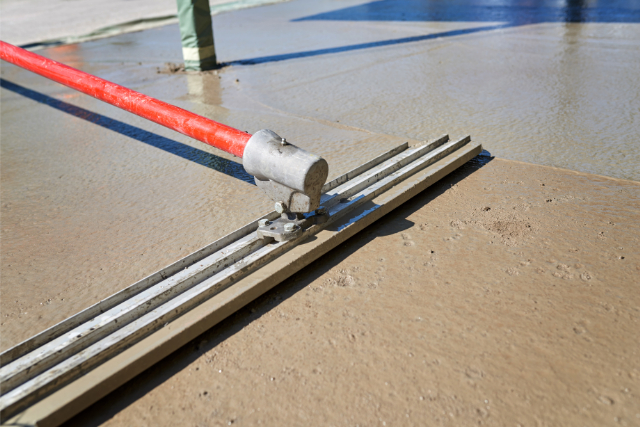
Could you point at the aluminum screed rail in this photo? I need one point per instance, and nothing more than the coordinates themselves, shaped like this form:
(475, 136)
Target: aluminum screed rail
(60, 371)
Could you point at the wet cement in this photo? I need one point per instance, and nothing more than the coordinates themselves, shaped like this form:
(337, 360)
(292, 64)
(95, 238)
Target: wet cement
(529, 83)
(504, 295)
(38, 23)
(551, 84)
(93, 198)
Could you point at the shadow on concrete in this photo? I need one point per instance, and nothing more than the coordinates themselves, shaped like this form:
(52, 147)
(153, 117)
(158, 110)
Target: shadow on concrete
(393, 223)
(361, 46)
(514, 12)
(507, 14)
(220, 164)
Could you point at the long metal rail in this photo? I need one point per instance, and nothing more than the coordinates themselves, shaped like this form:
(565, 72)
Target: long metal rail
(52, 359)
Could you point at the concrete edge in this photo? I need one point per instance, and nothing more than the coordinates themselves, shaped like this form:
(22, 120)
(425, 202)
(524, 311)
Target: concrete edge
(571, 171)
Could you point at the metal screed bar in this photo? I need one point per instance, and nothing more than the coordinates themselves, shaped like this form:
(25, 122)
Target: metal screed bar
(39, 369)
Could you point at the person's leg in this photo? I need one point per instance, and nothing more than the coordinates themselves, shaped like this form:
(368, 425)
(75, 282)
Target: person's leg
(197, 34)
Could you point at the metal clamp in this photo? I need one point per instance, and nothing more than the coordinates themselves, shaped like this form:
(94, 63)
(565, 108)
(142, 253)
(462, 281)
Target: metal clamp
(290, 226)
(291, 176)
(280, 229)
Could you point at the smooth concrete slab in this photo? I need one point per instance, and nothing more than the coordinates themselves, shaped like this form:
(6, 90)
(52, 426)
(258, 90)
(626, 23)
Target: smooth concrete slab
(38, 23)
(553, 84)
(93, 199)
(506, 294)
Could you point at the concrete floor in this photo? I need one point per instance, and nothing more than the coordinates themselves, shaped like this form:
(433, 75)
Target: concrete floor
(505, 295)
(38, 23)
(93, 199)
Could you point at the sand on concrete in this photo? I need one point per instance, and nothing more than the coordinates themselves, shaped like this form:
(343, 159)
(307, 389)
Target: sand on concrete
(506, 294)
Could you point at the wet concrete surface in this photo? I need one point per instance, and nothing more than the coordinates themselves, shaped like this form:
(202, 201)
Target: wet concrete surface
(38, 23)
(530, 88)
(93, 198)
(504, 295)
